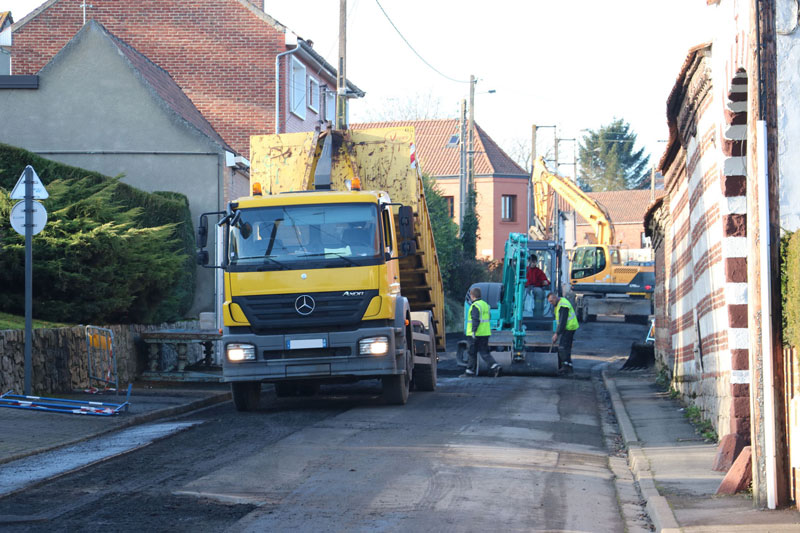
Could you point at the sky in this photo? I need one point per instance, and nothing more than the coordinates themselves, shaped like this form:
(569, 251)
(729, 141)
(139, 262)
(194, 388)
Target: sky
(573, 64)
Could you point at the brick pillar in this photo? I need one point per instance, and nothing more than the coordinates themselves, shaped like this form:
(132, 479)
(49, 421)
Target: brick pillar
(734, 250)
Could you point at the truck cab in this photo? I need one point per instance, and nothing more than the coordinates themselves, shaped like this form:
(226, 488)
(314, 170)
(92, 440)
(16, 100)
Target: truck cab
(323, 281)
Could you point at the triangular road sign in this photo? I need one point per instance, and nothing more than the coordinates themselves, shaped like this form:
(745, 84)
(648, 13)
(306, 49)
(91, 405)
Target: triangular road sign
(39, 192)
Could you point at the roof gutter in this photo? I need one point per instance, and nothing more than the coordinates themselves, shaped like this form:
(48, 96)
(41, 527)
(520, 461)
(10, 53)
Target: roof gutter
(278, 85)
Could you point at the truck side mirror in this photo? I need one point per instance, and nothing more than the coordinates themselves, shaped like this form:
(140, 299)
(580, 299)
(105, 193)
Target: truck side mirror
(202, 232)
(405, 218)
(202, 257)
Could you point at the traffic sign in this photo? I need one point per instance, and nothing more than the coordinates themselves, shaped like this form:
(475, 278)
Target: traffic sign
(39, 192)
(18, 217)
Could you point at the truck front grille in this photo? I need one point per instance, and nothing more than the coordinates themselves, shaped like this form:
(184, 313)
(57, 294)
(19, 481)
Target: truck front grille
(342, 351)
(268, 313)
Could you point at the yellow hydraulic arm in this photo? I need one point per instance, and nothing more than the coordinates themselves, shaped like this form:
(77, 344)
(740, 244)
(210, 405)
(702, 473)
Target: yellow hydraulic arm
(545, 182)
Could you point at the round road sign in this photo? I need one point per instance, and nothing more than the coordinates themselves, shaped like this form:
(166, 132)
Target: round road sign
(18, 217)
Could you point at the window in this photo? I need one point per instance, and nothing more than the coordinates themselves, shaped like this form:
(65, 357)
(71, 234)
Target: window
(452, 142)
(297, 89)
(313, 94)
(330, 105)
(509, 210)
(450, 206)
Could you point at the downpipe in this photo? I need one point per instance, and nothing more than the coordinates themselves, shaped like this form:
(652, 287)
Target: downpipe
(766, 314)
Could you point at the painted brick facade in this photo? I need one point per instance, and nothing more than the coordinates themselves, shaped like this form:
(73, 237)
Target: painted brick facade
(699, 239)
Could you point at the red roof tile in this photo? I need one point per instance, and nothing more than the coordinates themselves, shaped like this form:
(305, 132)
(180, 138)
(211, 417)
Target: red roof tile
(624, 207)
(438, 160)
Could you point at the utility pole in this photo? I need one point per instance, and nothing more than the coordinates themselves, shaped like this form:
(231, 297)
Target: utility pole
(470, 128)
(462, 174)
(341, 84)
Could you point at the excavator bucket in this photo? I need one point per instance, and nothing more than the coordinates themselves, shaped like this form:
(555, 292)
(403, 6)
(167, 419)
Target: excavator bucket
(642, 354)
(539, 359)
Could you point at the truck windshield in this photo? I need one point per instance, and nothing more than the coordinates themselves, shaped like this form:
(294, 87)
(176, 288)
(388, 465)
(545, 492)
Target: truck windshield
(305, 236)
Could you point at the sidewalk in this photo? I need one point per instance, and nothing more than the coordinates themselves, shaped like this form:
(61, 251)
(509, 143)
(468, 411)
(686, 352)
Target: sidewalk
(673, 464)
(27, 431)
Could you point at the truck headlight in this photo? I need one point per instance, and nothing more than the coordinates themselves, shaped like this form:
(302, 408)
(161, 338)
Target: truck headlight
(373, 346)
(241, 352)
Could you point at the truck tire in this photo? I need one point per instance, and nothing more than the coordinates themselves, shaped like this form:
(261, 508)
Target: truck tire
(462, 353)
(395, 388)
(246, 395)
(425, 375)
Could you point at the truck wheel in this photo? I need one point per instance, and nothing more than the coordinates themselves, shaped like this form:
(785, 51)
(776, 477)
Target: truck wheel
(246, 395)
(462, 353)
(425, 375)
(395, 388)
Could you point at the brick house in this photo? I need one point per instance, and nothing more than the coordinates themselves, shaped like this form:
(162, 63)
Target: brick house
(626, 210)
(243, 70)
(6, 20)
(500, 183)
(731, 185)
(102, 105)
(220, 68)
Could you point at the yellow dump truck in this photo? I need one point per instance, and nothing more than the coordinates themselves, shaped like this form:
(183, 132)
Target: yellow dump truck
(330, 267)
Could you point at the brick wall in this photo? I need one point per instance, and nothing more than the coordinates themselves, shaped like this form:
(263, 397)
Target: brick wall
(220, 52)
(702, 337)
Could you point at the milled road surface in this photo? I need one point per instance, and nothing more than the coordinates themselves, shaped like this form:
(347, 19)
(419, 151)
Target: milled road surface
(505, 454)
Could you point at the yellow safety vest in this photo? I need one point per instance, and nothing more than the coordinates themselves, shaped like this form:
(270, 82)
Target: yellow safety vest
(484, 328)
(572, 319)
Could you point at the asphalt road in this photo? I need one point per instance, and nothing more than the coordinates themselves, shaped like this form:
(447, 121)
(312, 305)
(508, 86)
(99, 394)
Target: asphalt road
(504, 454)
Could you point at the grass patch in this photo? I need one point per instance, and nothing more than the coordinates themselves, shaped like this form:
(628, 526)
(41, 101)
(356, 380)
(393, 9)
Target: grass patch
(9, 321)
(673, 393)
(662, 379)
(704, 428)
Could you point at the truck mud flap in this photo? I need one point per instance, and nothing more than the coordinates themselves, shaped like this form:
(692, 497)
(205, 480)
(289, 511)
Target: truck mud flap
(321, 369)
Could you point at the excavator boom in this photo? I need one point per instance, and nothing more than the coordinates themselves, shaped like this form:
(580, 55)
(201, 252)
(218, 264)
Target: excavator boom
(545, 183)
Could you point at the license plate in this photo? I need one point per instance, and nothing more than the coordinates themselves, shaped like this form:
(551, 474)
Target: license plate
(298, 344)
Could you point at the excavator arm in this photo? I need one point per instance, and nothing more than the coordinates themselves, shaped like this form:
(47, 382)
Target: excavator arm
(545, 183)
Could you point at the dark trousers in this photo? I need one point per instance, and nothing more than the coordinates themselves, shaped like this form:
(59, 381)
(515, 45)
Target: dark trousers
(479, 345)
(565, 347)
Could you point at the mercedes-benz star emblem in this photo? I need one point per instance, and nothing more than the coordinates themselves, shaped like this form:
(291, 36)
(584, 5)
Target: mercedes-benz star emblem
(304, 305)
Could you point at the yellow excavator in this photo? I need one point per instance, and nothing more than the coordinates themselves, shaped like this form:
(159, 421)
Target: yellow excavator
(602, 283)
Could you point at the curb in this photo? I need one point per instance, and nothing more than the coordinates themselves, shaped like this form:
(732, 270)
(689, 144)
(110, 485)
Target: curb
(657, 505)
(136, 420)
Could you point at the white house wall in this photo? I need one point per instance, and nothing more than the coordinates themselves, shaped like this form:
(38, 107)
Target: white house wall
(92, 111)
(788, 52)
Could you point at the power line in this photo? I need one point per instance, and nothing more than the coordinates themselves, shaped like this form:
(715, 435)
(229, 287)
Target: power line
(412, 48)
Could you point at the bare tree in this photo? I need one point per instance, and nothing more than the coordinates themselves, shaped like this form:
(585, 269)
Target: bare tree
(519, 149)
(418, 106)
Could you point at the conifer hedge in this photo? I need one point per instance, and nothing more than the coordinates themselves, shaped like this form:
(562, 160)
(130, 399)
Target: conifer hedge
(790, 289)
(109, 253)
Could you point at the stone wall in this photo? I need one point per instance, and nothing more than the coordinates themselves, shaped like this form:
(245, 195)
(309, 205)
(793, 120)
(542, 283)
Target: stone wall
(59, 357)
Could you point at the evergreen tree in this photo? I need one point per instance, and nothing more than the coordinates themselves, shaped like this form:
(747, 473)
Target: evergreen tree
(445, 233)
(609, 162)
(469, 227)
(109, 253)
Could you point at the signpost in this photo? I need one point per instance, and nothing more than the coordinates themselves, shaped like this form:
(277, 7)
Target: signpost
(33, 218)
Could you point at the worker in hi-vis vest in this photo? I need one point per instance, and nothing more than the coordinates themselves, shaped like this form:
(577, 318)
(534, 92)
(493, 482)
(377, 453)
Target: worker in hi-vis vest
(566, 326)
(478, 332)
